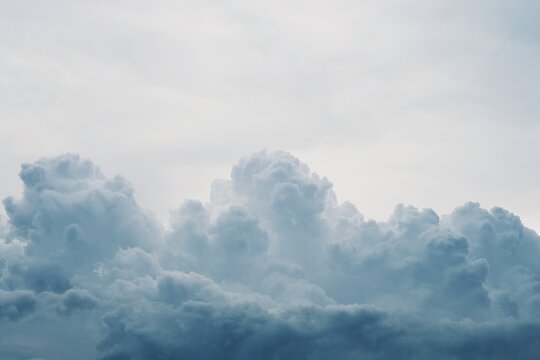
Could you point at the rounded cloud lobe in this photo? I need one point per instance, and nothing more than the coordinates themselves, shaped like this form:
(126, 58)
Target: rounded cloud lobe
(272, 267)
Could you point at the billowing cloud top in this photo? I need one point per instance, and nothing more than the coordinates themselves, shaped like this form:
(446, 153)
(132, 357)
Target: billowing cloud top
(272, 267)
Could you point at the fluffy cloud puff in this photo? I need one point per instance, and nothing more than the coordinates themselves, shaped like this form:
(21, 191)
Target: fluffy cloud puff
(272, 267)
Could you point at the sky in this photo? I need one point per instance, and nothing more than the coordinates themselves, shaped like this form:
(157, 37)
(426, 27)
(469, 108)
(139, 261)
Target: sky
(319, 180)
(429, 103)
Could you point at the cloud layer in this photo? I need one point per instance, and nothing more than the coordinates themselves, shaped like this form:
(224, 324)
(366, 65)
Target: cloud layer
(272, 267)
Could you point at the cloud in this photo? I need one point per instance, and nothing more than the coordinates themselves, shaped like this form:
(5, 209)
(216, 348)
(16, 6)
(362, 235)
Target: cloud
(72, 218)
(273, 266)
(76, 300)
(15, 305)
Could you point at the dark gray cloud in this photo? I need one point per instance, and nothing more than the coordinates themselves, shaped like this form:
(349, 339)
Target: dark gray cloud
(76, 300)
(272, 267)
(17, 304)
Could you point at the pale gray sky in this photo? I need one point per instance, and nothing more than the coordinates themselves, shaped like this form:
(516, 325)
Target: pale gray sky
(429, 103)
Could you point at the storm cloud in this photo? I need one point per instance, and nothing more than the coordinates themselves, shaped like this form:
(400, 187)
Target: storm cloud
(272, 267)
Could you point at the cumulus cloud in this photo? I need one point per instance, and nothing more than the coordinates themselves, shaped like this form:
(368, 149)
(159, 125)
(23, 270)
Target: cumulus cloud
(76, 300)
(72, 218)
(272, 267)
(16, 304)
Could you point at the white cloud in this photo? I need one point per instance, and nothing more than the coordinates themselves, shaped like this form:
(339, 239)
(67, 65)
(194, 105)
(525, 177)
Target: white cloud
(411, 94)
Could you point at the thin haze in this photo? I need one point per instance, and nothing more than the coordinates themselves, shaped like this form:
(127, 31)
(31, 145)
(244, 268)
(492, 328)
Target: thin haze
(430, 103)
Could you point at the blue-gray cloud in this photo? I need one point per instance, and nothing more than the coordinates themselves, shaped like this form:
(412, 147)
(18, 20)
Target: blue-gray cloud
(272, 267)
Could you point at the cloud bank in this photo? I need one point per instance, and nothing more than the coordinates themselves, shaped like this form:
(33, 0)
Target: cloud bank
(272, 267)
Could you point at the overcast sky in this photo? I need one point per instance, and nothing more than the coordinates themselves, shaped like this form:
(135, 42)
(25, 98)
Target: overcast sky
(429, 103)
